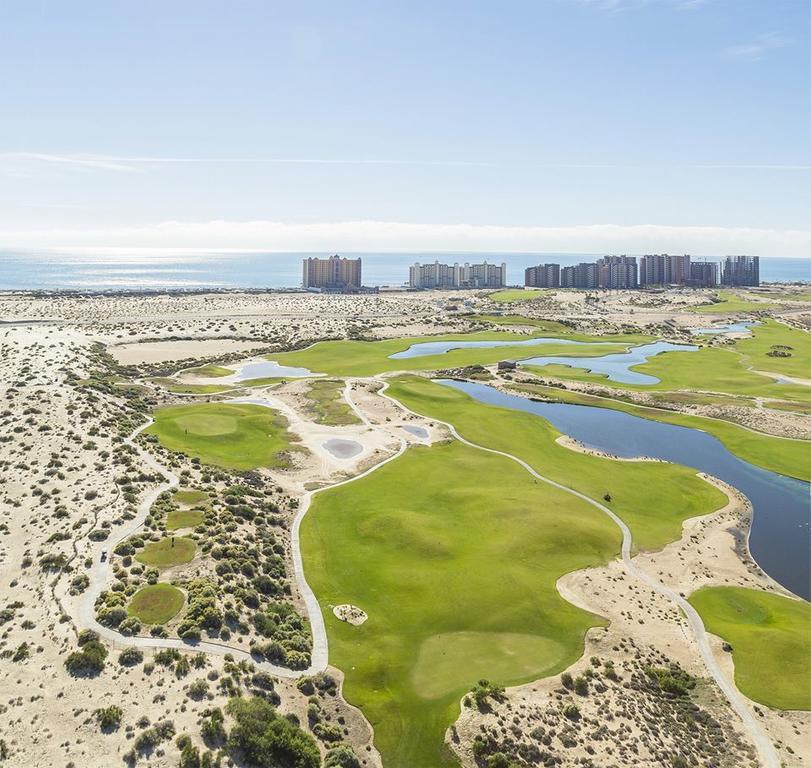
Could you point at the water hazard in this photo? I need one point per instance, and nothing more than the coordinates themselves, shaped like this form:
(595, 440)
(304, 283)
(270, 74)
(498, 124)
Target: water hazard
(425, 348)
(780, 536)
(268, 369)
(617, 367)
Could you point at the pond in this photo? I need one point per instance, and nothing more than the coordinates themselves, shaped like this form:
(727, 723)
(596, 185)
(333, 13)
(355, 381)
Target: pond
(779, 537)
(617, 366)
(268, 369)
(726, 328)
(420, 432)
(342, 449)
(425, 348)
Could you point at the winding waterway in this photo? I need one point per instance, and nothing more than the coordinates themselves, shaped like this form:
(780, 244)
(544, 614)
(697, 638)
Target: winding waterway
(780, 534)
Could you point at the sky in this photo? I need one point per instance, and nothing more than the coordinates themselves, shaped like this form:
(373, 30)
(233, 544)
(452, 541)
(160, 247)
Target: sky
(544, 126)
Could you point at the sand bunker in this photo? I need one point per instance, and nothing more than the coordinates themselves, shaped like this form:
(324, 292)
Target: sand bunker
(351, 614)
(343, 449)
(164, 351)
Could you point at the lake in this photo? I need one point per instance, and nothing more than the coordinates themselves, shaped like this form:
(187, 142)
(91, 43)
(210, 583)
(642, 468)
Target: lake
(779, 537)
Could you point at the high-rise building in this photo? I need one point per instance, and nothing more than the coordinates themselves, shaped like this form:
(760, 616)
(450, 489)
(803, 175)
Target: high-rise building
(542, 276)
(664, 269)
(740, 270)
(334, 273)
(583, 276)
(703, 274)
(439, 275)
(617, 272)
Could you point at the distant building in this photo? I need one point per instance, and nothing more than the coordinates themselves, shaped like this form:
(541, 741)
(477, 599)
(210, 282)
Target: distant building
(703, 274)
(542, 276)
(334, 273)
(584, 276)
(617, 272)
(438, 275)
(507, 365)
(664, 269)
(740, 270)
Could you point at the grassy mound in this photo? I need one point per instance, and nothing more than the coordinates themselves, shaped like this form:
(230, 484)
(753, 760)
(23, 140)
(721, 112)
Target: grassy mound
(156, 604)
(173, 550)
(327, 405)
(209, 371)
(227, 435)
(769, 635)
(454, 553)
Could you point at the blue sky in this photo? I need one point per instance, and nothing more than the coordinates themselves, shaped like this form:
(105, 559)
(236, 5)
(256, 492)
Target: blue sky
(551, 125)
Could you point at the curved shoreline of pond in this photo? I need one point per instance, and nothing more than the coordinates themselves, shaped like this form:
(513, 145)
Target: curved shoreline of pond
(780, 531)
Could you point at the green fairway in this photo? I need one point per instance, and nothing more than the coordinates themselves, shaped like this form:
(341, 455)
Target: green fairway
(367, 358)
(179, 388)
(156, 603)
(173, 550)
(208, 371)
(769, 635)
(326, 404)
(773, 337)
(189, 497)
(731, 302)
(514, 295)
(778, 454)
(652, 498)
(235, 436)
(454, 554)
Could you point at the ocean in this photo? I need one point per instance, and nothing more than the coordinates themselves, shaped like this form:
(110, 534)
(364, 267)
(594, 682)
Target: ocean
(155, 269)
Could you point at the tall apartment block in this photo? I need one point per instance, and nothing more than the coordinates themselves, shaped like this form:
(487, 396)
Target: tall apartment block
(584, 275)
(740, 270)
(542, 276)
(438, 275)
(664, 269)
(334, 273)
(617, 272)
(703, 274)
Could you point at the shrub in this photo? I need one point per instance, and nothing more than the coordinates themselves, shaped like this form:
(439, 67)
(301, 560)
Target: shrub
(581, 686)
(88, 661)
(109, 718)
(129, 657)
(566, 680)
(341, 757)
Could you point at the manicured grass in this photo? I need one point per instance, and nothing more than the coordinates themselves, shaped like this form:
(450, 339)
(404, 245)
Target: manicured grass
(156, 603)
(208, 371)
(184, 518)
(326, 403)
(172, 550)
(190, 497)
(554, 328)
(787, 457)
(367, 358)
(733, 302)
(652, 498)
(191, 389)
(769, 635)
(771, 335)
(454, 553)
(228, 435)
(514, 295)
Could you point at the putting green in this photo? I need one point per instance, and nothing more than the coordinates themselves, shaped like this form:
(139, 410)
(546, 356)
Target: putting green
(769, 635)
(772, 336)
(184, 518)
(367, 358)
(454, 553)
(190, 498)
(156, 604)
(227, 435)
(173, 550)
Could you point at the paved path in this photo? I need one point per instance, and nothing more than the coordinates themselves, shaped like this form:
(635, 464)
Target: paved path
(765, 748)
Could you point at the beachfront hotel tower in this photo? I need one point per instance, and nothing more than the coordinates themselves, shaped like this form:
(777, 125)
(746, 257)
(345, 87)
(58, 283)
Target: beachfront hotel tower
(438, 275)
(334, 273)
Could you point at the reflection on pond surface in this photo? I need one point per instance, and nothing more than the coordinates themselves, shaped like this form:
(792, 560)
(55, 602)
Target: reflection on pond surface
(780, 536)
(617, 366)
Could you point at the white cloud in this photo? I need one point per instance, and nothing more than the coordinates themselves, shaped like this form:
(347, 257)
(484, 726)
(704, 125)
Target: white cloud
(386, 236)
(758, 48)
(73, 162)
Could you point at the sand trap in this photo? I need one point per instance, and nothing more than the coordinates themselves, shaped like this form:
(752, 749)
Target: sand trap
(164, 351)
(351, 614)
(342, 449)
(420, 432)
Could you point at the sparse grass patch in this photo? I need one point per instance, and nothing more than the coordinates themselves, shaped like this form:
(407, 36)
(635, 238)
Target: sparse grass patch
(156, 603)
(516, 295)
(208, 371)
(327, 404)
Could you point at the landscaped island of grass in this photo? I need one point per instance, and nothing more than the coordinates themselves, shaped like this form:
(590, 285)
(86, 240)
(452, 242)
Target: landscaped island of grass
(235, 436)
(156, 603)
(769, 635)
(173, 550)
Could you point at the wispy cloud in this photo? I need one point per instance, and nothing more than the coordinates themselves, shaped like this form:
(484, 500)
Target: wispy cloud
(619, 6)
(757, 48)
(387, 236)
(76, 162)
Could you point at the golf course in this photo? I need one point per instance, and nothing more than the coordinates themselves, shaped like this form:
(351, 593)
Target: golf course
(235, 436)
(769, 637)
(156, 603)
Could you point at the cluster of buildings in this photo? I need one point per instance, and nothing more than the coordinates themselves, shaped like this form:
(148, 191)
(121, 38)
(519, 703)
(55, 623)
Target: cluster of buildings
(337, 274)
(465, 275)
(617, 272)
